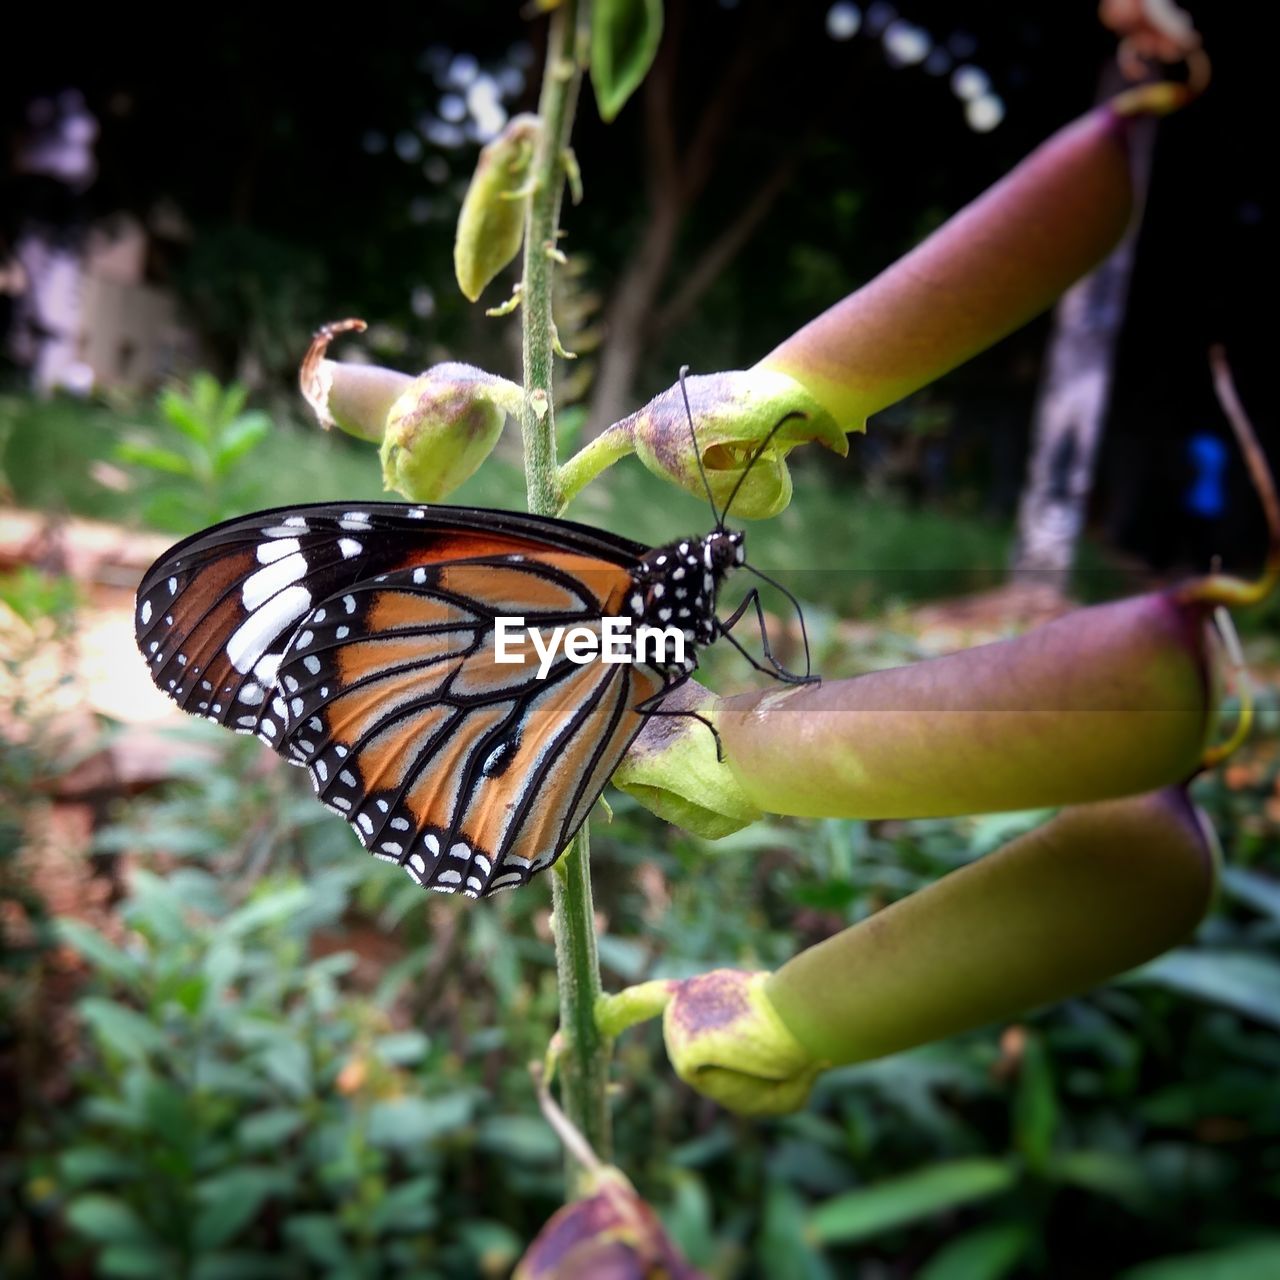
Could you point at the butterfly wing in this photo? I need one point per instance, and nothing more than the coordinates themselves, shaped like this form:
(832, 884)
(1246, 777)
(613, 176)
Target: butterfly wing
(216, 611)
(359, 643)
(471, 774)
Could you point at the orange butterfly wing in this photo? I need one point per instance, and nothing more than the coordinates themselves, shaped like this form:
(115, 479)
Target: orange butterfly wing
(359, 643)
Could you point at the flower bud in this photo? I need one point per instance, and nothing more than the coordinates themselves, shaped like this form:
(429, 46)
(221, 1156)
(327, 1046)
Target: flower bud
(1092, 893)
(672, 769)
(989, 269)
(355, 398)
(726, 1041)
(734, 414)
(1106, 701)
(610, 1235)
(442, 427)
(491, 223)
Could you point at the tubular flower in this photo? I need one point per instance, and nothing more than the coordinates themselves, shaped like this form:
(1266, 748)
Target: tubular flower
(1094, 892)
(989, 269)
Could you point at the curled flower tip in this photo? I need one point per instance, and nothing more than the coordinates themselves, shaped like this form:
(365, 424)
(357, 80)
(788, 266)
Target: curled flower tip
(744, 425)
(672, 769)
(354, 398)
(491, 222)
(725, 1040)
(442, 427)
(1157, 33)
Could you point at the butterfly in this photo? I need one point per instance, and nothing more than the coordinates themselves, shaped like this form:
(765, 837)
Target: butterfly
(359, 641)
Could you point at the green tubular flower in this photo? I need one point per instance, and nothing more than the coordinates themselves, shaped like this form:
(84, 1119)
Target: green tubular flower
(1106, 701)
(442, 427)
(491, 222)
(1092, 893)
(989, 269)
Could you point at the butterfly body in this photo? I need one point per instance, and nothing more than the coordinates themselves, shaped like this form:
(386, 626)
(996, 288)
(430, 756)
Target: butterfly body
(359, 643)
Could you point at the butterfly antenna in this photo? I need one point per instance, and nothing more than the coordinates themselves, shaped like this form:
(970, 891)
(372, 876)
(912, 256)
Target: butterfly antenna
(755, 457)
(697, 452)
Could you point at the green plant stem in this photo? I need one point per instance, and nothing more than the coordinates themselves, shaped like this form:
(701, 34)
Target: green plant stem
(583, 1062)
(560, 83)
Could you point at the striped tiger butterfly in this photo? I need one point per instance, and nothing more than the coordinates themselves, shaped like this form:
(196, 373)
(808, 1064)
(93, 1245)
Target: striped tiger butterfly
(360, 642)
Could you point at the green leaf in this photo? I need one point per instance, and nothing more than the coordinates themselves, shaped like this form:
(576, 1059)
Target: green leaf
(1035, 1108)
(81, 1166)
(410, 1122)
(1261, 892)
(269, 1129)
(785, 1247)
(989, 1253)
(108, 1220)
(1106, 1173)
(286, 1062)
(269, 909)
(239, 438)
(625, 35)
(105, 956)
(688, 1219)
(1257, 1260)
(859, 1215)
(402, 1048)
(231, 1200)
(153, 457)
(181, 413)
(237, 1265)
(121, 1029)
(136, 1262)
(1241, 980)
(411, 1206)
(525, 1138)
(319, 1237)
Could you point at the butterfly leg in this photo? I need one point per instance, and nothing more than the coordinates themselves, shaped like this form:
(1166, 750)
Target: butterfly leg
(778, 672)
(652, 707)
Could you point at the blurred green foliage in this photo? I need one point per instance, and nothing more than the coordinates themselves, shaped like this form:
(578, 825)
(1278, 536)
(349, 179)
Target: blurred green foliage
(278, 1057)
(290, 1062)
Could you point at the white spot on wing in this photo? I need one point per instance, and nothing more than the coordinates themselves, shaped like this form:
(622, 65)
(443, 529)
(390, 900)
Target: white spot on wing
(349, 547)
(146, 612)
(250, 640)
(277, 549)
(259, 587)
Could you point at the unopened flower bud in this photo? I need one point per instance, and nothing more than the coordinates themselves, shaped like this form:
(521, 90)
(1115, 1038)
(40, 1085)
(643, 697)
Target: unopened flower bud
(442, 427)
(611, 1234)
(673, 770)
(734, 415)
(725, 1040)
(491, 223)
